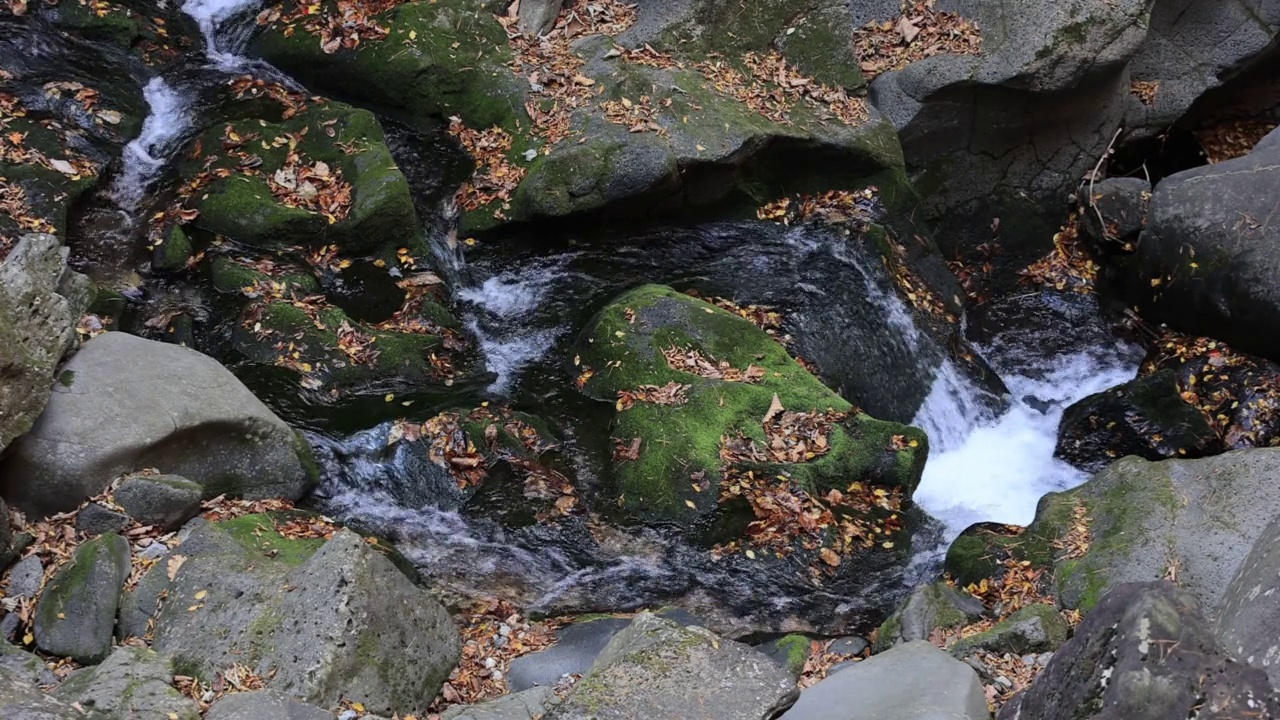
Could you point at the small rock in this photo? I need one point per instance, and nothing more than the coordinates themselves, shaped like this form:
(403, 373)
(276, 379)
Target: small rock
(97, 519)
(348, 715)
(577, 647)
(1044, 658)
(525, 705)
(154, 551)
(25, 577)
(1004, 681)
(1033, 629)
(1029, 660)
(163, 500)
(930, 607)
(849, 646)
(9, 625)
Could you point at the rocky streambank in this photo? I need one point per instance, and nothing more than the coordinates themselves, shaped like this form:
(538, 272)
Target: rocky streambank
(589, 359)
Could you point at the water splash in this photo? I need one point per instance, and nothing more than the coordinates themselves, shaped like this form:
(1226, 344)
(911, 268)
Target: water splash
(223, 40)
(145, 155)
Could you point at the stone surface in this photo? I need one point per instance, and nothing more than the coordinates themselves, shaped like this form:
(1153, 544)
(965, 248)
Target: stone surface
(24, 665)
(41, 301)
(1249, 621)
(186, 415)
(264, 705)
(929, 607)
(1033, 629)
(131, 683)
(1208, 262)
(25, 577)
(575, 650)
(1114, 211)
(1144, 653)
(163, 500)
(96, 519)
(77, 609)
(539, 16)
(351, 627)
(22, 700)
(529, 704)
(915, 681)
(658, 670)
(138, 606)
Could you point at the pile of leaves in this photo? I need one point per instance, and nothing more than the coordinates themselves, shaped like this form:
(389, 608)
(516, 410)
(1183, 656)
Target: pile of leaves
(450, 447)
(821, 660)
(673, 393)
(692, 361)
(762, 316)
(1145, 91)
(338, 25)
(638, 116)
(1229, 139)
(495, 176)
(1069, 266)
(772, 87)
(911, 286)
(420, 288)
(311, 186)
(237, 678)
(834, 207)
(15, 151)
(975, 270)
(1238, 395)
(918, 33)
(292, 102)
(495, 633)
(13, 202)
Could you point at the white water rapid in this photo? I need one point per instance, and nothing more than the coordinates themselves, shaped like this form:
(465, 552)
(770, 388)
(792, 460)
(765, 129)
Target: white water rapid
(145, 155)
(222, 48)
(984, 468)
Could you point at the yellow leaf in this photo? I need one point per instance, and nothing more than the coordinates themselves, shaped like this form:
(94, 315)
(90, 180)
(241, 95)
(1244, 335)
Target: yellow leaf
(28, 639)
(690, 504)
(751, 555)
(887, 544)
(202, 594)
(389, 397)
(358, 707)
(413, 34)
(618, 405)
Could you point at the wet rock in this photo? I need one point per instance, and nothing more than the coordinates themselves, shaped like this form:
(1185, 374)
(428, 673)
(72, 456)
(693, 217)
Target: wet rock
(851, 646)
(525, 705)
(1144, 653)
(351, 627)
(1116, 211)
(264, 704)
(789, 651)
(658, 669)
(77, 609)
(172, 254)
(1250, 615)
(1207, 263)
(1146, 417)
(96, 519)
(930, 607)
(25, 577)
(1051, 90)
(575, 650)
(131, 683)
(915, 680)
(186, 415)
(20, 699)
(41, 301)
(1033, 629)
(163, 500)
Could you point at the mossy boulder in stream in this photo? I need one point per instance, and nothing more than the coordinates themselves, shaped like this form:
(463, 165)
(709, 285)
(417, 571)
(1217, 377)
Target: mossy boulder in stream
(695, 384)
(322, 177)
(351, 626)
(77, 610)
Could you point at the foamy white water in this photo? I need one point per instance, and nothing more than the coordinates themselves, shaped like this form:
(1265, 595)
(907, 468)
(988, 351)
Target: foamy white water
(505, 305)
(983, 468)
(221, 47)
(145, 155)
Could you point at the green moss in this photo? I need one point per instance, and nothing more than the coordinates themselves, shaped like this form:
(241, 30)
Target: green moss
(67, 378)
(257, 534)
(173, 253)
(1003, 639)
(306, 457)
(796, 648)
(888, 633)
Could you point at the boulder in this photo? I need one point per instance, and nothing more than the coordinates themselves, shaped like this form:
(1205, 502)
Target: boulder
(1048, 91)
(77, 610)
(576, 648)
(25, 578)
(95, 519)
(658, 669)
(186, 415)
(789, 651)
(911, 681)
(936, 606)
(262, 704)
(528, 704)
(1034, 629)
(41, 300)
(131, 683)
(1249, 621)
(539, 16)
(138, 606)
(1144, 653)
(1114, 212)
(350, 627)
(1207, 263)
(20, 699)
(1146, 417)
(163, 500)
(25, 666)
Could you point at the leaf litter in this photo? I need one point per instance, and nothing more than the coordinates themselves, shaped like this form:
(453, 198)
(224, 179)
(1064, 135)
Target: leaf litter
(919, 32)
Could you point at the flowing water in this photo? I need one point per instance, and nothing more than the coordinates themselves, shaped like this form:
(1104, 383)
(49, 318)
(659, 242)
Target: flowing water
(169, 117)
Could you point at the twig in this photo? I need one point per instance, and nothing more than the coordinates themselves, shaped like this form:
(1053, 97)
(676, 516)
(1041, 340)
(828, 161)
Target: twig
(1093, 177)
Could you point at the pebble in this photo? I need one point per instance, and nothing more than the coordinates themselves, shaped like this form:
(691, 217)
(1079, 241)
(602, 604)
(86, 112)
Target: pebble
(496, 675)
(848, 646)
(501, 642)
(9, 625)
(1029, 660)
(1045, 658)
(504, 630)
(154, 551)
(490, 663)
(348, 715)
(1004, 681)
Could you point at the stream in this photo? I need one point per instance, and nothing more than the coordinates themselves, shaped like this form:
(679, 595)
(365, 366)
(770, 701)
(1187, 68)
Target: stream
(525, 298)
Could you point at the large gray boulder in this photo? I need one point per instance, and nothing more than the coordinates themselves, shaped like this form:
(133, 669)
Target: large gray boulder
(124, 403)
(1196, 519)
(131, 683)
(1009, 133)
(264, 704)
(1144, 653)
(350, 627)
(77, 609)
(657, 669)
(1249, 621)
(1209, 261)
(41, 300)
(915, 681)
(576, 648)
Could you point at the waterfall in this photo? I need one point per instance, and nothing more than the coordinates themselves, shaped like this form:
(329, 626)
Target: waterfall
(144, 157)
(212, 16)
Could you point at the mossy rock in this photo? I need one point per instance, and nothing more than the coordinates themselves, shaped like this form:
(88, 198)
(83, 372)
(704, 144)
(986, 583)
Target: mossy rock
(49, 194)
(1033, 629)
(173, 252)
(441, 58)
(680, 444)
(77, 609)
(791, 651)
(241, 207)
(258, 534)
(929, 608)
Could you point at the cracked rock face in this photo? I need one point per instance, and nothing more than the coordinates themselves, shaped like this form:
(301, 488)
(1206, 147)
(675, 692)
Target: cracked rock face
(1145, 653)
(1249, 624)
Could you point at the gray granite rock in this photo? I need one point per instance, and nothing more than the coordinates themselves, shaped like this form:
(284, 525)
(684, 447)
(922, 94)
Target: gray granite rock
(77, 609)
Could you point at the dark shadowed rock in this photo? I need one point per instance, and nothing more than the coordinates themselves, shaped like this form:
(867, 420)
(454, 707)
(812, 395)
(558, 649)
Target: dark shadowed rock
(657, 669)
(264, 704)
(40, 302)
(25, 577)
(1114, 211)
(930, 607)
(1249, 622)
(96, 519)
(164, 500)
(185, 414)
(131, 683)
(576, 648)
(538, 16)
(1144, 653)
(77, 609)
(909, 682)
